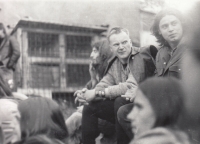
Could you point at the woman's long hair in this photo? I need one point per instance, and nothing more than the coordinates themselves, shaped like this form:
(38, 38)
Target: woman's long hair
(42, 116)
(104, 55)
(166, 98)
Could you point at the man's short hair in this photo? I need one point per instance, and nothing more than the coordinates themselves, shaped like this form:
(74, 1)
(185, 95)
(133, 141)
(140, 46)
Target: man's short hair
(159, 16)
(116, 30)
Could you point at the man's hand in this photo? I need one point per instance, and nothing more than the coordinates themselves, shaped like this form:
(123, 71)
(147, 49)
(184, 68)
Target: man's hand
(81, 101)
(79, 94)
(130, 94)
(89, 95)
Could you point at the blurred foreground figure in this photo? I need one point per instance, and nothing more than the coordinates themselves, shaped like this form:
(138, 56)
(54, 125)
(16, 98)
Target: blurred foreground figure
(42, 116)
(9, 121)
(157, 107)
(191, 76)
(40, 139)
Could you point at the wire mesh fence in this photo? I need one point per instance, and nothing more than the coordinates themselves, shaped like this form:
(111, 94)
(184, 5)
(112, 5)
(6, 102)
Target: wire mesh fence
(55, 58)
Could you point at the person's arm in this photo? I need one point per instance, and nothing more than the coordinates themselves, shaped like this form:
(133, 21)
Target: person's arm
(113, 91)
(90, 95)
(107, 80)
(15, 52)
(120, 89)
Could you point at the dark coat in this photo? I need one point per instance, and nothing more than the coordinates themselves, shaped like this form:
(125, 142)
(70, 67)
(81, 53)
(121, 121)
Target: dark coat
(9, 52)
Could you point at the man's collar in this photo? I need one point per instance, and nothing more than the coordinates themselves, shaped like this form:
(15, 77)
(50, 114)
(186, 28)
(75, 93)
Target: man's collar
(135, 50)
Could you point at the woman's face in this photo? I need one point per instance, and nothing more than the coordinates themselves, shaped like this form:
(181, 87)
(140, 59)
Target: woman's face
(142, 115)
(95, 56)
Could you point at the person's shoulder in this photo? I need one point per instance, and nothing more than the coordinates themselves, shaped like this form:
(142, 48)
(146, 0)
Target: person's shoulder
(162, 135)
(163, 49)
(147, 52)
(111, 63)
(113, 60)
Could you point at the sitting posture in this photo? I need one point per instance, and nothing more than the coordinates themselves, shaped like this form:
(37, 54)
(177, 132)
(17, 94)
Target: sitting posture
(128, 67)
(99, 60)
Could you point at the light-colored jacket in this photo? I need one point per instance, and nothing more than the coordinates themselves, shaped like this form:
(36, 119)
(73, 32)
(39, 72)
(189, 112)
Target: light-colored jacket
(140, 64)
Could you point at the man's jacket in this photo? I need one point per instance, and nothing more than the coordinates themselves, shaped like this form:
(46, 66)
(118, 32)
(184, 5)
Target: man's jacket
(141, 66)
(167, 65)
(9, 52)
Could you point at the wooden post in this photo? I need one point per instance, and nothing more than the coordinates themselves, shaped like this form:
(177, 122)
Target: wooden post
(25, 60)
(62, 45)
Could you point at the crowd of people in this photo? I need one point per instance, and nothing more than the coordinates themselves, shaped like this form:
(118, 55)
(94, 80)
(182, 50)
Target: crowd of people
(136, 95)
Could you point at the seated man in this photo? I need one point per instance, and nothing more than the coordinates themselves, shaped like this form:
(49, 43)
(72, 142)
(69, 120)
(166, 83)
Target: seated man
(126, 69)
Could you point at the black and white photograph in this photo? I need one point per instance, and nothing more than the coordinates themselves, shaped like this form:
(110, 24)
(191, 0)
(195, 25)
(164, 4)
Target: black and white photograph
(99, 71)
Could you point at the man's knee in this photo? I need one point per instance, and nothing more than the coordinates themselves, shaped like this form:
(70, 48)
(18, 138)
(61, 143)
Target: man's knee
(121, 114)
(86, 109)
(119, 101)
(73, 123)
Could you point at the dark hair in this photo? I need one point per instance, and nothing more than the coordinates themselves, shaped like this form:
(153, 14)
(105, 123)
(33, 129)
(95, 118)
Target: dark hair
(166, 98)
(97, 45)
(104, 55)
(42, 116)
(39, 139)
(159, 16)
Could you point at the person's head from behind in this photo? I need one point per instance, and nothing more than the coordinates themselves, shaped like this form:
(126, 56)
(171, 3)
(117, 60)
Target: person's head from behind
(9, 121)
(42, 116)
(168, 27)
(2, 31)
(158, 103)
(39, 139)
(120, 43)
